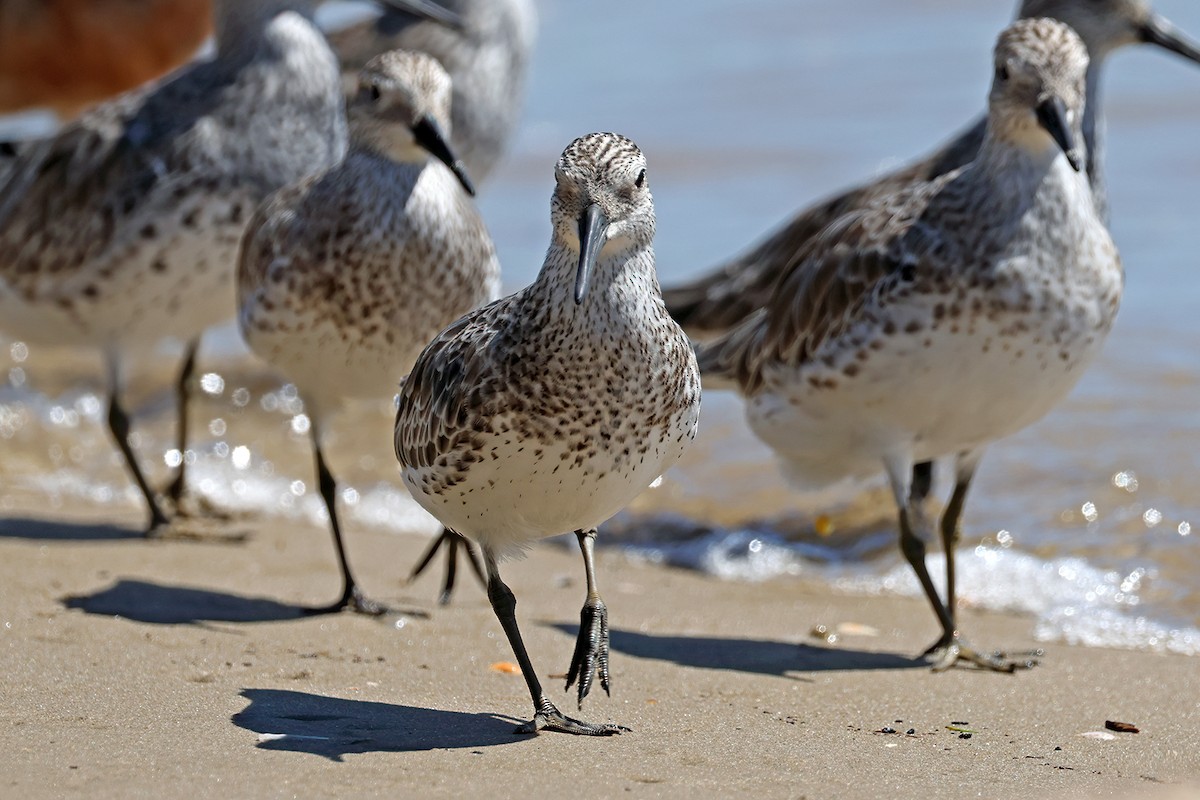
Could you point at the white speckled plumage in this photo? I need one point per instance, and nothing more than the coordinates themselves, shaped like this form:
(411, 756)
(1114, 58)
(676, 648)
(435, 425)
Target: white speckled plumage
(946, 316)
(345, 276)
(551, 409)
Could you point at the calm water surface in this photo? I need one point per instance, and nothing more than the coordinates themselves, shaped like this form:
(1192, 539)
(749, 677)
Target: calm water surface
(747, 111)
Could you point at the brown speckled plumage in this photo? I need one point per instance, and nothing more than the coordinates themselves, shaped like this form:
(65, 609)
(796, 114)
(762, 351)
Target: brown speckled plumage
(346, 275)
(551, 409)
(942, 317)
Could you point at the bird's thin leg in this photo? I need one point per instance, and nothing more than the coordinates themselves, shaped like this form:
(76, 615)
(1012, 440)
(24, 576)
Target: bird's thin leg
(183, 395)
(118, 425)
(591, 646)
(952, 648)
(545, 715)
(912, 542)
(352, 597)
(452, 541)
(951, 530)
(922, 482)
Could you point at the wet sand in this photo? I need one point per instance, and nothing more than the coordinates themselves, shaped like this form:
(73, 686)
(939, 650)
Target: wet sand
(181, 668)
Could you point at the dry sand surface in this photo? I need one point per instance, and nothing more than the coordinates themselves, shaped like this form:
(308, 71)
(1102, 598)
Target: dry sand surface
(182, 669)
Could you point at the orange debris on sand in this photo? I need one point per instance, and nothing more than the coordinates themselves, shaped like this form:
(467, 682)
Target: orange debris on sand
(69, 54)
(507, 667)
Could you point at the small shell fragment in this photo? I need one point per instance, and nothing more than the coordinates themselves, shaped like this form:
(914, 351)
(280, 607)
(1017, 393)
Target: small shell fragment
(1101, 735)
(856, 629)
(1121, 727)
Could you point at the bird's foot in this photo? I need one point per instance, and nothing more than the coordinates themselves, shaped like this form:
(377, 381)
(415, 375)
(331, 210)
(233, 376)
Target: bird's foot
(187, 505)
(451, 541)
(177, 529)
(952, 649)
(591, 649)
(549, 718)
(353, 601)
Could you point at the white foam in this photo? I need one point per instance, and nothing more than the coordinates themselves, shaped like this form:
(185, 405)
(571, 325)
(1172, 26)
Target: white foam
(1072, 600)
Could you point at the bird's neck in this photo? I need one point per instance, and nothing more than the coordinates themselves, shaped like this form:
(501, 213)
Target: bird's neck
(1093, 136)
(623, 290)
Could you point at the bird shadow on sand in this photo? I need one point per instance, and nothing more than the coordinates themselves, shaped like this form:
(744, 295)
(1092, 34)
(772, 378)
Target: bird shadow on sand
(50, 530)
(143, 601)
(759, 656)
(333, 727)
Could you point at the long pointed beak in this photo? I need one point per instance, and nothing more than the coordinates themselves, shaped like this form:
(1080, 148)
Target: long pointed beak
(429, 135)
(426, 9)
(592, 227)
(1159, 31)
(1052, 115)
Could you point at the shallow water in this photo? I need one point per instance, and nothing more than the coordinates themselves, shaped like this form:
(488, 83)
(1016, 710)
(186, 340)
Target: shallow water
(746, 112)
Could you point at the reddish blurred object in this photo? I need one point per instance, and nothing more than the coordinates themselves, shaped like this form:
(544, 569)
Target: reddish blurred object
(66, 55)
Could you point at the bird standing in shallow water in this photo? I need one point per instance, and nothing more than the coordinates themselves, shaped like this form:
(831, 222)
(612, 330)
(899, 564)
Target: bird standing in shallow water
(943, 317)
(551, 409)
(346, 275)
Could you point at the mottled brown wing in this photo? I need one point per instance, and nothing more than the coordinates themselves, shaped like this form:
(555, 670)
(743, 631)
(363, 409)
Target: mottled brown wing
(445, 385)
(861, 256)
(723, 298)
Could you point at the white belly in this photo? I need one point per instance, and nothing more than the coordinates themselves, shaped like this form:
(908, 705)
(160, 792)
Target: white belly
(929, 393)
(529, 491)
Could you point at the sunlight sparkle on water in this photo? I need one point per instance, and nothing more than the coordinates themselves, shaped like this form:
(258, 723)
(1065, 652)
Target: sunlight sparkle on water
(241, 457)
(1127, 480)
(1152, 517)
(212, 383)
(18, 351)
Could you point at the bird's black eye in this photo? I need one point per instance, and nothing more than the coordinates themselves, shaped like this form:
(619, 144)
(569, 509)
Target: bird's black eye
(373, 93)
(1002, 72)
(641, 179)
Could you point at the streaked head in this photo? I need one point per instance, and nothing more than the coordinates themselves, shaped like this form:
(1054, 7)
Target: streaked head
(402, 110)
(601, 200)
(1038, 92)
(1107, 25)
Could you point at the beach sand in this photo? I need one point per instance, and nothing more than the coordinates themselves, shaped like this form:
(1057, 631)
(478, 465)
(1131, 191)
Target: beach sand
(168, 669)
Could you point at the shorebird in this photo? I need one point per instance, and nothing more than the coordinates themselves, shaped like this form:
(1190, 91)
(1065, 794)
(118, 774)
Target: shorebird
(124, 227)
(69, 54)
(347, 274)
(551, 409)
(943, 317)
(487, 56)
(719, 300)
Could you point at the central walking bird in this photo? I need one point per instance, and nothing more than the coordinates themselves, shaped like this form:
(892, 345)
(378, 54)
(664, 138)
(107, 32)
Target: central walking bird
(943, 317)
(346, 275)
(551, 409)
